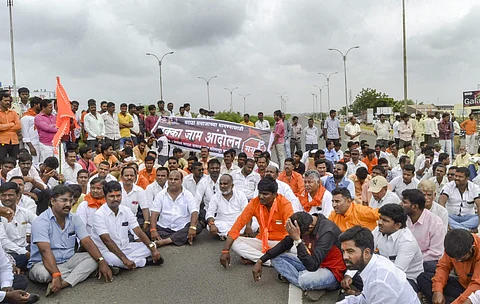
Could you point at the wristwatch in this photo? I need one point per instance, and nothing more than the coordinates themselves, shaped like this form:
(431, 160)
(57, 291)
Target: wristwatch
(100, 259)
(152, 245)
(297, 242)
(193, 227)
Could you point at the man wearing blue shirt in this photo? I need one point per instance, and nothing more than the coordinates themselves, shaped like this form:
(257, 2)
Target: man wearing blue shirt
(53, 259)
(339, 179)
(330, 152)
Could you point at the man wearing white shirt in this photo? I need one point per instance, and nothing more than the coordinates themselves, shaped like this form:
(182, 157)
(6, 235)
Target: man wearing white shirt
(406, 181)
(112, 127)
(440, 179)
(393, 157)
(191, 181)
(29, 132)
(354, 163)
(28, 172)
(261, 123)
(103, 172)
(246, 180)
(174, 217)
(428, 189)
(208, 187)
(13, 234)
(111, 224)
(352, 130)
(284, 189)
(382, 131)
(225, 207)
(396, 135)
(187, 110)
(70, 167)
(395, 241)
(13, 286)
(160, 183)
(133, 196)
(381, 196)
(93, 125)
(91, 203)
(383, 282)
(25, 201)
(402, 162)
(311, 136)
(135, 129)
(316, 198)
(228, 166)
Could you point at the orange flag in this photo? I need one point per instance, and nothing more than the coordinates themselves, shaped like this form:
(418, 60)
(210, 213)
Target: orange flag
(64, 115)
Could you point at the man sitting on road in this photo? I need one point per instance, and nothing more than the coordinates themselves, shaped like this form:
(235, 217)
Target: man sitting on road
(318, 264)
(339, 179)
(207, 187)
(348, 214)
(103, 172)
(149, 172)
(111, 224)
(427, 228)
(355, 162)
(316, 198)
(158, 185)
(92, 202)
(428, 189)
(380, 193)
(174, 214)
(383, 282)
(272, 211)
(284, 189)
(246, 180)
(53, 259)
(404, 182)
(224, 209)
(292, 178)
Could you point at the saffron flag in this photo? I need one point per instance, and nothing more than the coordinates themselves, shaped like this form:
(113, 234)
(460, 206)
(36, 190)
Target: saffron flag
(65, 115)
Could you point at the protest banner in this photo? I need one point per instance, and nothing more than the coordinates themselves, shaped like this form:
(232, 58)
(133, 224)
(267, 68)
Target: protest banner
(195, 133)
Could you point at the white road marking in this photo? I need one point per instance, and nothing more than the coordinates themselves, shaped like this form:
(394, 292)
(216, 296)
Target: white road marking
(294, 295)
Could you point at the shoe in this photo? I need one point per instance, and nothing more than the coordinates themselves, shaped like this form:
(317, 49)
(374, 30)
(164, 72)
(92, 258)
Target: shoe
(33, 298)
(157, 263)
(282, 279)
(314, 295)
(115, 270)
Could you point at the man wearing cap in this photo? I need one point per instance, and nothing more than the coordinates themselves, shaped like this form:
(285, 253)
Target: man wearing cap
(380, 193)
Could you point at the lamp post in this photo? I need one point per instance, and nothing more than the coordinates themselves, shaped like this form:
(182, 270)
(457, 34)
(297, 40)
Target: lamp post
(281, 100)
(231, 97)
(12, 49)
(208, 88)
(345, 73)
(313, 97)
(320, 93)
(244, 98)
(160, 68)
(405, 85)
(328, 84)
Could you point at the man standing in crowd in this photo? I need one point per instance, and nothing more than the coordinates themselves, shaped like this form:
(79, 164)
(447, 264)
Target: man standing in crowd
(21, 107)
(94, 125)
(125, 122)
(311, 136)
(470, 127)
(112, 127)
(382, 131)
(45, 124)
(29, 132)
(246, 120)
(352, 130)
(296, 140)
(151, 120)
(331, 127)
(445, 131)
(161, 109)
(261, 123)
(279, 138)
(135, 128)
(9, 125)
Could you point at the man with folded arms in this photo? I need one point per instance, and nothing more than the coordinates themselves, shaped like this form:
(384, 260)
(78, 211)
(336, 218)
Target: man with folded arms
(272, 212)
(225, 207)
(53, 259)
(13, 234)
(461, 255)
(111, 224)
(174, 214)
(318, 264)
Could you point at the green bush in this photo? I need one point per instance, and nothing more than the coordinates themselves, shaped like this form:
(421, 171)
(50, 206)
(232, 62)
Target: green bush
(238, 117)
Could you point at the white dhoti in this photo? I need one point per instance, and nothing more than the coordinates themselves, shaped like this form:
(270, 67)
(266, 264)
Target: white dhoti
(251, 248)
(224, 226)
(135, 252)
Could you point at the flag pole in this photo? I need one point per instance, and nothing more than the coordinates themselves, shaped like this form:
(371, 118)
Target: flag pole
(60, 158)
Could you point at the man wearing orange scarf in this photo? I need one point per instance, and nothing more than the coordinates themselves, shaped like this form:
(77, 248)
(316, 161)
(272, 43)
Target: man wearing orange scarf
(272, 211)
(92, 201)
(315, 198)
(29, 132)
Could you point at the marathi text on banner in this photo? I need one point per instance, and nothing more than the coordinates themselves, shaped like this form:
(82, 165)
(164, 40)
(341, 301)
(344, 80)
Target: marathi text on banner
(218, 135)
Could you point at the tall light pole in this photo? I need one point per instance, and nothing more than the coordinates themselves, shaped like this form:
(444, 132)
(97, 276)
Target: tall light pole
(231, 97)
(281, 100)
(405, 85)
(208, 88)
(328, 84)
(345, 73)
(12, 50)
(320, 93)
(160, 67)
(313, 98)
(244, 102)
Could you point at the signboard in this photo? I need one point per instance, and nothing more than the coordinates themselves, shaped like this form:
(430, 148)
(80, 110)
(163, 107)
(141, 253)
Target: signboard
(471, 98)
(218, 135)
(369, 115)
(384, 110)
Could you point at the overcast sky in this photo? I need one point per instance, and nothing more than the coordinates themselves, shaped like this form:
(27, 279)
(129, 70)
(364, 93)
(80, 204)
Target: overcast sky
(98, 48)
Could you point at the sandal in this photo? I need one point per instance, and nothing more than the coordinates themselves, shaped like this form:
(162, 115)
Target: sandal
(282, 279)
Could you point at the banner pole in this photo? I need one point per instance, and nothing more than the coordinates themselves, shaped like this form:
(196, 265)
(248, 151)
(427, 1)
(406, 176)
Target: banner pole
(60, 158)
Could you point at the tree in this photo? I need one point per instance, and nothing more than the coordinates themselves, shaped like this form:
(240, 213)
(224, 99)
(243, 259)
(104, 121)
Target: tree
(370, 98)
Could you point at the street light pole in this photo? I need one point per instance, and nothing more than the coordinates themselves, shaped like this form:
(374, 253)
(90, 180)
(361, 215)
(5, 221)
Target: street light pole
(12, 50)
(208, 88)
(244, 97)
(231, 97)
(405, 85)
(345, 73)
(328, 84)
(313, 97)
(320, 93)
(281, 100)
(160, 68)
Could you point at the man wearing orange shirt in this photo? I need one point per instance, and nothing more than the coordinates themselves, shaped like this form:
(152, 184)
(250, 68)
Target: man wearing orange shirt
(292, 178)
(370, 160)
(347, 214)
(106, 155)
(9, 125)
(150, 173)
(462, 254)
(470, 128)
(272, 211)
